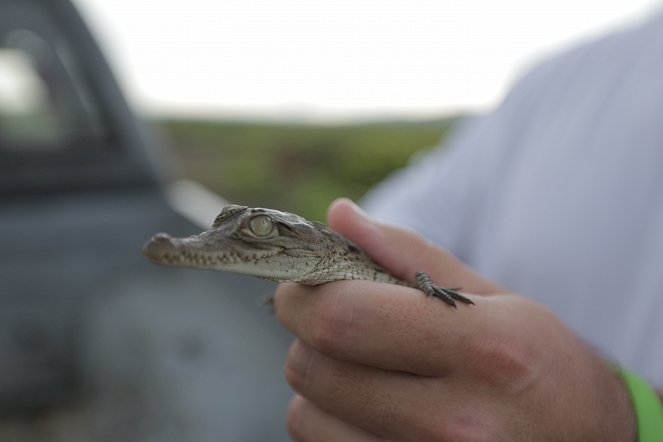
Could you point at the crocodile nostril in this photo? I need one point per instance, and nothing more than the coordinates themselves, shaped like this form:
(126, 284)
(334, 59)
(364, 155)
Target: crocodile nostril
(158, 247)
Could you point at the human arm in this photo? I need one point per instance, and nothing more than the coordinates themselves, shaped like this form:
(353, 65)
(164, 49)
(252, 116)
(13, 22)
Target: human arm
(380, 361)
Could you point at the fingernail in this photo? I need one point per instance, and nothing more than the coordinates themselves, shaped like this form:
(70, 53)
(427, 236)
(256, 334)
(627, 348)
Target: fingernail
(359, 212)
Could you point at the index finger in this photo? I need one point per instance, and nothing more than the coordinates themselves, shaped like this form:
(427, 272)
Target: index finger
(382, 325)
(403, 252)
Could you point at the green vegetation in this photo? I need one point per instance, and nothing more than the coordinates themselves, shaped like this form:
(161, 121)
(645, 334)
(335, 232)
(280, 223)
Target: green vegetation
(296, 167)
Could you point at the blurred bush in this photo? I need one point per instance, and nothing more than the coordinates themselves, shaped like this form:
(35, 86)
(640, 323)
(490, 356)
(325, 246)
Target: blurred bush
(297, 167)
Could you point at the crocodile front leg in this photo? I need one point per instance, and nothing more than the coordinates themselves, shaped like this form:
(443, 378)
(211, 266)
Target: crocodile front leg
(450, 296)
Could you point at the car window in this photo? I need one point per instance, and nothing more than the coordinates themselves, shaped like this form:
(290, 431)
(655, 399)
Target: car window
(28, 115)
(42, 105)
(64, 124)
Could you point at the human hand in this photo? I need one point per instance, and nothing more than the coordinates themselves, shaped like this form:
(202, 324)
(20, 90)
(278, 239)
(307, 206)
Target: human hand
(382, 362)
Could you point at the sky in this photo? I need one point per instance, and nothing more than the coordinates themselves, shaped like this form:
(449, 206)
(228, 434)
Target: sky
(337, 59)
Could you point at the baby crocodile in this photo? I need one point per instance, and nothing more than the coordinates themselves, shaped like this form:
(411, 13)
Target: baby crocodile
(280, 247)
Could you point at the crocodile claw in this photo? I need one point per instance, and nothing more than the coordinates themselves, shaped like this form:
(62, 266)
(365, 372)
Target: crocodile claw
(450, 296)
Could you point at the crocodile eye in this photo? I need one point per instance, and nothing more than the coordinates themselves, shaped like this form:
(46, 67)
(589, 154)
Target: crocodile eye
(261, 225)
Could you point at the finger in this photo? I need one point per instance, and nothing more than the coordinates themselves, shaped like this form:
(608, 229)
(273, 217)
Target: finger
(388, 326)
(309, 423)
(389, 405)
(404, 252)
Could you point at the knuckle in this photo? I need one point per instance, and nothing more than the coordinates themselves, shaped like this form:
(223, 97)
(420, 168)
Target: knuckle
(294, 378)
(506, 363)
(331, 324)
(298, 366)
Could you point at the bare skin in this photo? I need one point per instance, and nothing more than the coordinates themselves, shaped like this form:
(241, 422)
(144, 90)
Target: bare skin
(376, 362)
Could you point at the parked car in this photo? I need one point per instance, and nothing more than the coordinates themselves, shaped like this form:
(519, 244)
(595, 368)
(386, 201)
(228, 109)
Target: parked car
(95, 342)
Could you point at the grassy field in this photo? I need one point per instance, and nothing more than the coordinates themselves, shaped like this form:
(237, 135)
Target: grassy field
(298, 168)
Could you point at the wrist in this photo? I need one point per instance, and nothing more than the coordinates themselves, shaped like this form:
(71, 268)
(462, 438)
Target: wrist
(647, 406)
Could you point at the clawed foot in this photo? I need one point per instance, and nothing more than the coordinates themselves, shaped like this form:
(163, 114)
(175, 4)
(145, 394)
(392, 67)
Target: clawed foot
(450, 296)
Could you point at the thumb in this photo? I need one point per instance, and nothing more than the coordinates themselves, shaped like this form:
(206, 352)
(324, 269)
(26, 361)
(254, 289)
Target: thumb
(404, 252)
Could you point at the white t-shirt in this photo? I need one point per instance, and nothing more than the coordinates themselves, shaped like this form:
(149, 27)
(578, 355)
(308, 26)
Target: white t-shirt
(558, 194)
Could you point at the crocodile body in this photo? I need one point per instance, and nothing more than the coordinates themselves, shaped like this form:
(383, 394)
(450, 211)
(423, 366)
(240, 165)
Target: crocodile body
(281, 247)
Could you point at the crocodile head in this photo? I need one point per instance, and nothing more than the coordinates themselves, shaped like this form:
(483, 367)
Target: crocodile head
(266, 243)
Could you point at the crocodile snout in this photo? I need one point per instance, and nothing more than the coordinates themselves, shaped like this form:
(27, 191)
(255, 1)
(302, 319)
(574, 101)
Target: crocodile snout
(158, 248)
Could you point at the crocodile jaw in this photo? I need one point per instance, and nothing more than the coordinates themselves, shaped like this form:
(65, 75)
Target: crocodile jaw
(272, 262)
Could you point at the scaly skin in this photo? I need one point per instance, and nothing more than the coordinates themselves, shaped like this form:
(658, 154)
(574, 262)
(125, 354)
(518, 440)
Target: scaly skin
(280, 247)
